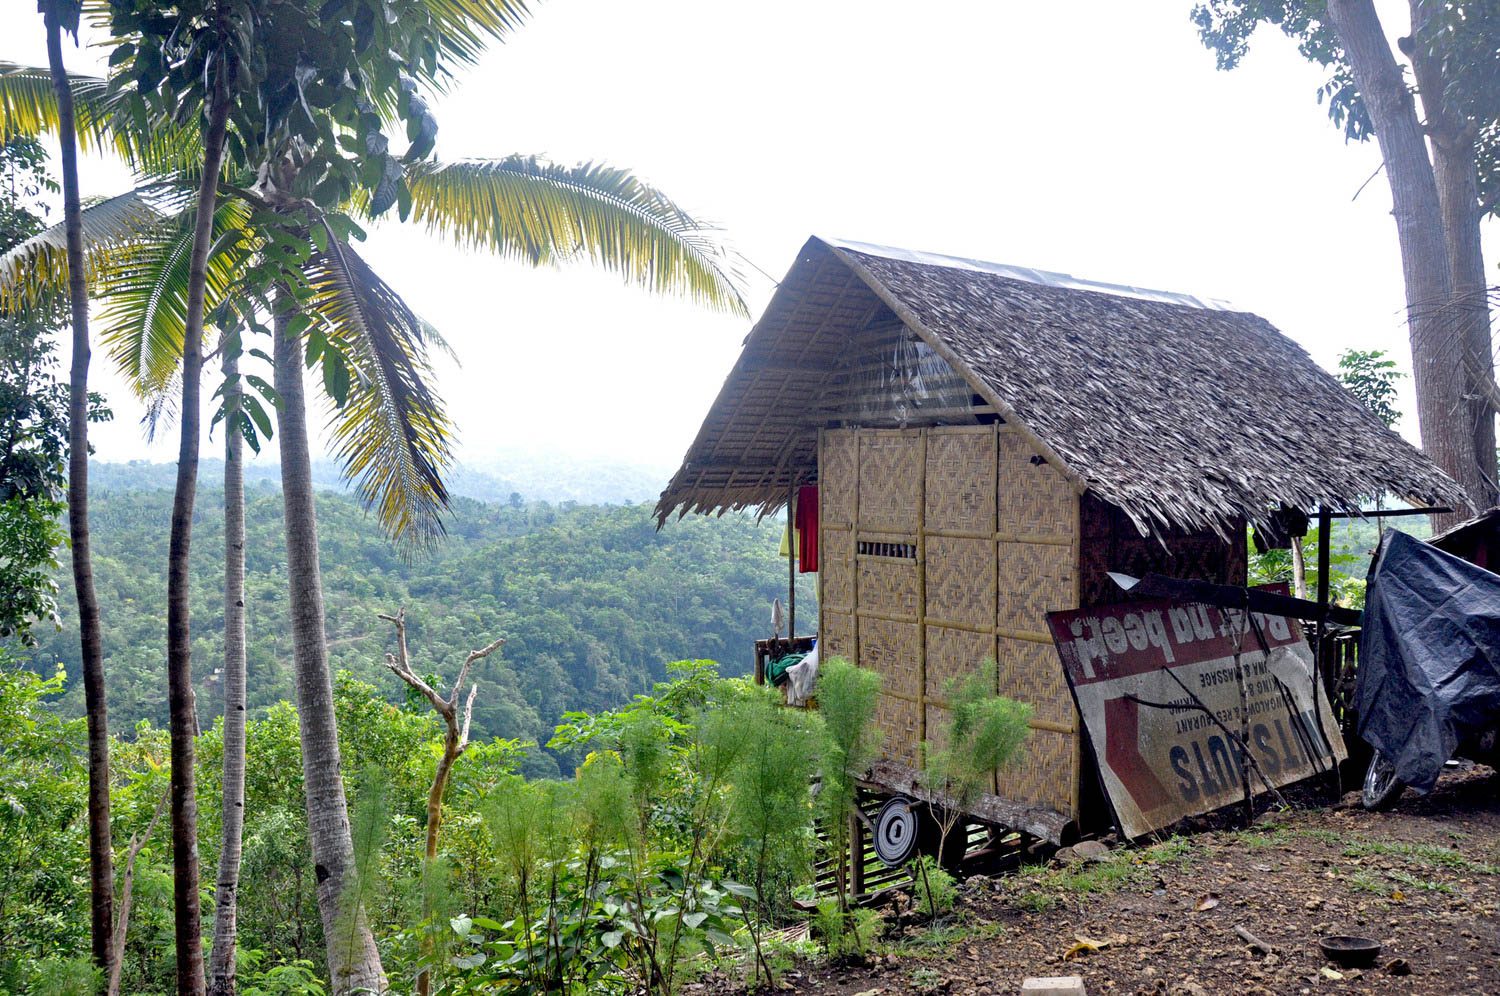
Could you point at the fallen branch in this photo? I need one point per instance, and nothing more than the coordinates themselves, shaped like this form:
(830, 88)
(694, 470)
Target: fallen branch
(1256, 944)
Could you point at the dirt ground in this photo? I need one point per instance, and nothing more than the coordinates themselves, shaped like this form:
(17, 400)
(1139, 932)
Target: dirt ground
(1424, 880)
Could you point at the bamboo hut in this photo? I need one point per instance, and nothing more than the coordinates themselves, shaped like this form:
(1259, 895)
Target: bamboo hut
(987, 442)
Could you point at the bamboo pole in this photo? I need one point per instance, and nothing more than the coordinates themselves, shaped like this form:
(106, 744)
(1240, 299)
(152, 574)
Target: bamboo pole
(791, 557)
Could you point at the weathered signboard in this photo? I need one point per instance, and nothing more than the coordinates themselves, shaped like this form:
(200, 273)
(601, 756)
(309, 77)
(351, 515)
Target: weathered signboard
(1159, 692)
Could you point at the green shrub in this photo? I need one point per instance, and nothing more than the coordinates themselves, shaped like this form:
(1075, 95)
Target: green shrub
(935, 890)
(771, 848)
(847, 696)
(846, 933)
(985, 732)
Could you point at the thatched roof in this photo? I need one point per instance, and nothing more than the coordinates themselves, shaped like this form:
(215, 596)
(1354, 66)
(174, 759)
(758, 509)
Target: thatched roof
(1179, 411)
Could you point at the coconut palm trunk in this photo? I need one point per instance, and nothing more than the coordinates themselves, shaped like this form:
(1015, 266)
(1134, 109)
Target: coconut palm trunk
(101, 852)
(353, 961)
(183, 713)
(221, 977)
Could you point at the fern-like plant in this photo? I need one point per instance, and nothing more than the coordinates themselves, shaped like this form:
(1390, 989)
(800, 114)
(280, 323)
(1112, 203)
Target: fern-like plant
(985, 732)
(847, 696)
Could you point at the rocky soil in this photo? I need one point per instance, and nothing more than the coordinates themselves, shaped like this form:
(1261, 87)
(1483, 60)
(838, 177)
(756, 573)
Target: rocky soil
(1160, 918)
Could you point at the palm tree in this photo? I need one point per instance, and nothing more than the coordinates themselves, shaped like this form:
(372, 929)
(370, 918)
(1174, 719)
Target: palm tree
(391, 432)
(221, 975)
(58, 15)
(181, 705)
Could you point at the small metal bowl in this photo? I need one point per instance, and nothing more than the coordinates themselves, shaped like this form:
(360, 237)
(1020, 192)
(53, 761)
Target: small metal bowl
(1349, 951)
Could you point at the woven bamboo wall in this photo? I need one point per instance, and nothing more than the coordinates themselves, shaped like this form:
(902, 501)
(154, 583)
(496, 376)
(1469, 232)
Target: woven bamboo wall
(1037, 573)
(838, 484)
(995, 536)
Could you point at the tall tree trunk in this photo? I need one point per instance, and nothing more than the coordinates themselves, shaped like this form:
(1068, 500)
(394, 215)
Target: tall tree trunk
(101, 850)
(353, 961)
(184, 718)
(221, 978)
(1437, 367)
(1299, 568)
(1453, 165)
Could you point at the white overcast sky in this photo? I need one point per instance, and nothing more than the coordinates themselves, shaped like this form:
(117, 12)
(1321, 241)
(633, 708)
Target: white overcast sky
(1095, 138)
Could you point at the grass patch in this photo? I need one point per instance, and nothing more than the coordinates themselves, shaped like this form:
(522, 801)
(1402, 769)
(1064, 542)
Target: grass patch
(1042, 889)
(1177, 850)
(1102, 876)
(1411, 881)
(1427, 855)
(1262, 841)
(1036, 902)
(936, 941)
(1376, 885)
(1365, 882)
(924, 978)
(1330, 837)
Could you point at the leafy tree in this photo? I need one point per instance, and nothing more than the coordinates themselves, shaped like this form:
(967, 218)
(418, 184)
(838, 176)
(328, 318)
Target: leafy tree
(1440, 192)
(33, 417)
(1371, 377)
(43, 790)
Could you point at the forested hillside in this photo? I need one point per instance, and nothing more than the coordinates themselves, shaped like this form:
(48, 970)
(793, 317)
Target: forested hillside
(592, 601)
(505, 472)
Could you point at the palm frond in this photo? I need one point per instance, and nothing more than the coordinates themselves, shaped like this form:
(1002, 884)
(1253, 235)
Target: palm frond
(391, 433)
(526, 209)
(36, 271)
(144, 286)
(467, 26)
(106, 122)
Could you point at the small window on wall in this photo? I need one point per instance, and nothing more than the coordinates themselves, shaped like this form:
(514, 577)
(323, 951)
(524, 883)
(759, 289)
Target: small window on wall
(893, 551)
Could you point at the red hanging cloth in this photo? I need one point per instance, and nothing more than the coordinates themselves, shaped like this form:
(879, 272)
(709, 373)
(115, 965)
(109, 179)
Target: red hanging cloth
(806, 521)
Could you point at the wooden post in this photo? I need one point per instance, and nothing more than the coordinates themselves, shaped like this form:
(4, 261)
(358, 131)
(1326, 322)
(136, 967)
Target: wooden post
(791, 557)
(922, 732)
(856, 857)
(1325, 527)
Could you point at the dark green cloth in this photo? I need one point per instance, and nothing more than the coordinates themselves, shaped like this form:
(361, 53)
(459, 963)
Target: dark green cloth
(776, 670)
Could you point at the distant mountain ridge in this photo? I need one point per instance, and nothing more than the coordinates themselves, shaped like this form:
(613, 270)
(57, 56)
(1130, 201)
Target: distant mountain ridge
(531, 476)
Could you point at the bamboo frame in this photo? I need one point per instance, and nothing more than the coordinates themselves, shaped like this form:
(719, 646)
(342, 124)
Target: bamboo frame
(922, 734)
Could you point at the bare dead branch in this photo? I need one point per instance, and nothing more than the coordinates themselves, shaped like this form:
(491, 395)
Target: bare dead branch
(400, 665)
(455, 740)
(127, 882)
(463, 672)
(1255, 942)
(463, 736)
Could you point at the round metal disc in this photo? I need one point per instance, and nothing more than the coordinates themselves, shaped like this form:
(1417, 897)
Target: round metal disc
(896, 832)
